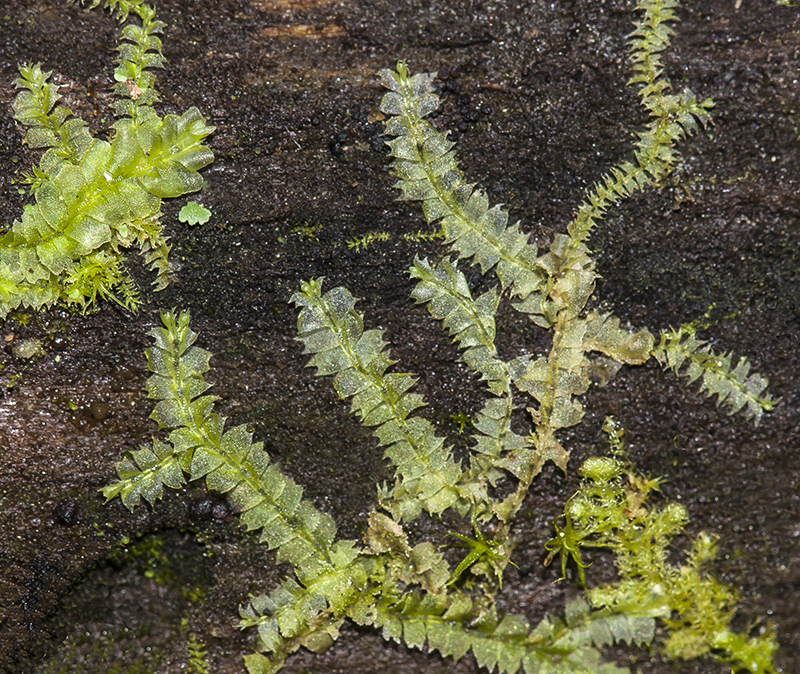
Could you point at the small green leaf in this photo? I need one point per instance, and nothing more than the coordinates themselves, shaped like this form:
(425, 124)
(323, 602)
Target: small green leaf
(193, 213)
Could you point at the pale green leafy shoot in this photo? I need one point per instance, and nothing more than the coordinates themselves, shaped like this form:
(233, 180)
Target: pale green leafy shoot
(334, 332)
(91, 198)
(737, 388)
(611, 511)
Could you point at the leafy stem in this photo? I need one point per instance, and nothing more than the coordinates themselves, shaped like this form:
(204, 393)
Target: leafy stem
(93, 198)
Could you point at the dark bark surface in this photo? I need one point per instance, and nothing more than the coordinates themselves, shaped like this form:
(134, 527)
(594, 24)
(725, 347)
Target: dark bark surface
(536, 92)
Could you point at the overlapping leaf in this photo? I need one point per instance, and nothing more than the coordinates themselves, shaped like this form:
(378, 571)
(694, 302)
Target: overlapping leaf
(428, 172)
(454, 625)
(469, 321)
(229, 460)
(48, 126)
(144, 473)
(603, 334)
(737, 388)
(309, 615)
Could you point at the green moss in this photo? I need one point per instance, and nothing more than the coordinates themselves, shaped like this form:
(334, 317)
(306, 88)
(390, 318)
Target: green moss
(307, 231)
(92, 198)
(611, 511)
(405, 588)
(364, 241)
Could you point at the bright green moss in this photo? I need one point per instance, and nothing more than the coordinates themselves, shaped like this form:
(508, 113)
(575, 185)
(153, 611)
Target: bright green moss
(611, 510)
(92, 199)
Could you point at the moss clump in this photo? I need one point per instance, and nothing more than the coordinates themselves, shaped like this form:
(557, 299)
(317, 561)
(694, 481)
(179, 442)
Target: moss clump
(92, 198)
(611, 511)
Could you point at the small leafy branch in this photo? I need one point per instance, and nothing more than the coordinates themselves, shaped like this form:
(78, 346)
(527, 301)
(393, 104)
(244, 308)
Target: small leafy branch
(92, 198)
(407, 589)
(610, 511)
(737, 389)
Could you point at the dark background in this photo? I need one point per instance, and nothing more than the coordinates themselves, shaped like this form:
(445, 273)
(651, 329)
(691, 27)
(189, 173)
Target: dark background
(536, 93)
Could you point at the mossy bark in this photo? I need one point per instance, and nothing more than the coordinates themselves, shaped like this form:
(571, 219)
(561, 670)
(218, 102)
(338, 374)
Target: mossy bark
(536, 92)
